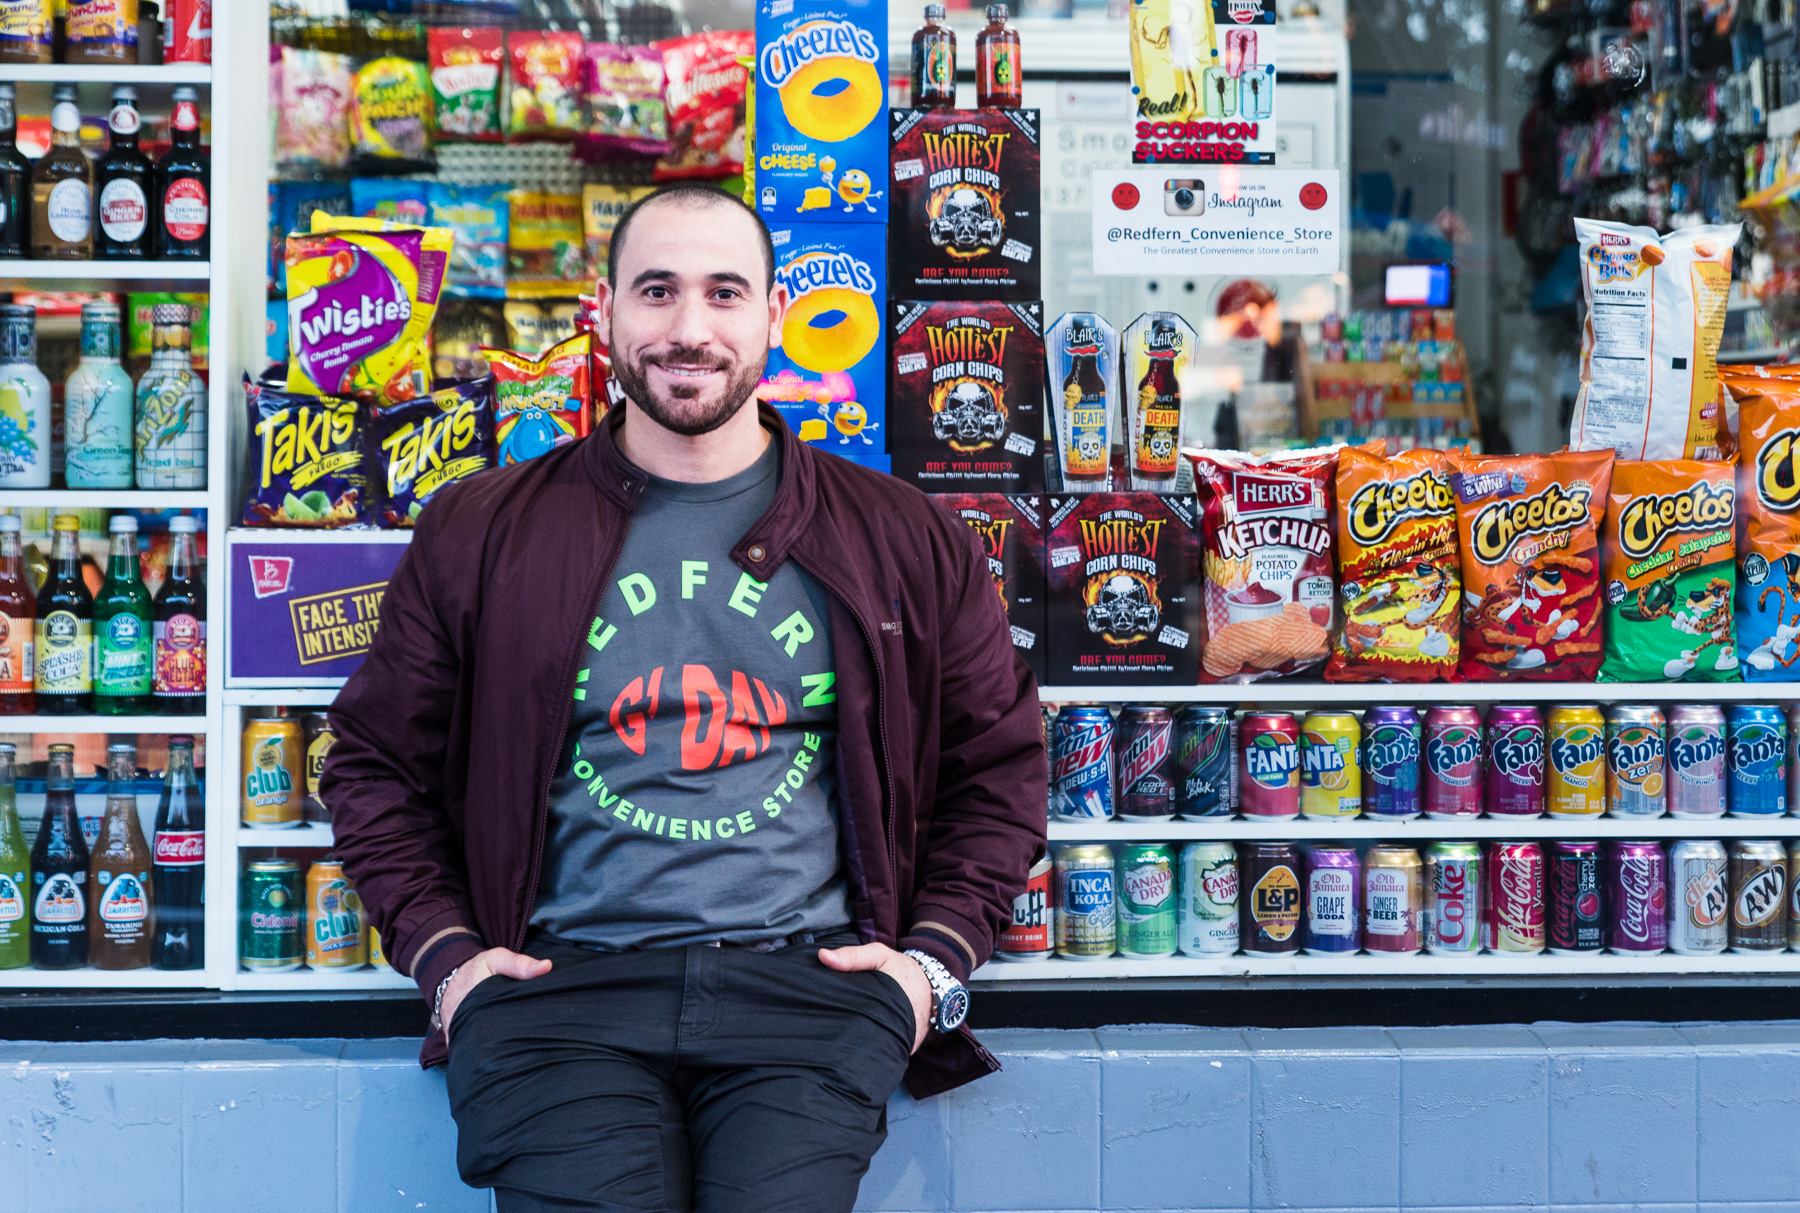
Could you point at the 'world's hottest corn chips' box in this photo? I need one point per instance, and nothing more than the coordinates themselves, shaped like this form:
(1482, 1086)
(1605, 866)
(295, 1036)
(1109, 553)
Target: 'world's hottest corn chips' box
(966, 204)
(1124, 587)
(821, 105)
(1011, 530)
(828, 377)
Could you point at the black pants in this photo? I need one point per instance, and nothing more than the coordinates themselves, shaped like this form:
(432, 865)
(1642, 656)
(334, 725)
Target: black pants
(717, 1080)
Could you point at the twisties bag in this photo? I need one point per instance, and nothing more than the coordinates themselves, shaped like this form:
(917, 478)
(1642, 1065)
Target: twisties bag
(361, 297)
(1267, 563)
(1669, 544)
(1768, 506)
(1529, 526)
(1401, 584)
(1650, 343)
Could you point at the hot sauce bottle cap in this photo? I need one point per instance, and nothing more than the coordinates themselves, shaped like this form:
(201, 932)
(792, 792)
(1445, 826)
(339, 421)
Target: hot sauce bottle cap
(934, 12)
(997, 12)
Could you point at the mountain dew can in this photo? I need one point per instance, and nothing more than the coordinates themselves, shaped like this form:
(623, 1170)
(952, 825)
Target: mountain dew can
(1330, 777)
(1147, 900)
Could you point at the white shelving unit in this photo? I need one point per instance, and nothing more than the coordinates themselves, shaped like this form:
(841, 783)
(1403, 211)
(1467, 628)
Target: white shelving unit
(1369, 965)
(110, 74)
(189, 273)
(1303, 693)
(1421, 830)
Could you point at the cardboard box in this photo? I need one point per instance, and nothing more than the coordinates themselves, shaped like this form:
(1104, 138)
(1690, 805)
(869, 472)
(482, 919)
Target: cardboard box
(966, 398)
(828, 377)
(1124, 587)
(821, 89)
(1011, 527)
(965, 204)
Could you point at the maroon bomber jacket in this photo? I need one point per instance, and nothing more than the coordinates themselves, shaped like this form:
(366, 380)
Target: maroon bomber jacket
(449, 734)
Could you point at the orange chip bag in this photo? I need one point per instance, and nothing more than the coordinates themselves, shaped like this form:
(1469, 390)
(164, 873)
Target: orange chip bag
(1768, 510)
(1401, 585)
(1530, 532)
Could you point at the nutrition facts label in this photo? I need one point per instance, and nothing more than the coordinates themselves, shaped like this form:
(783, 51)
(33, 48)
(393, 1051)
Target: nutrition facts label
(1619, 375)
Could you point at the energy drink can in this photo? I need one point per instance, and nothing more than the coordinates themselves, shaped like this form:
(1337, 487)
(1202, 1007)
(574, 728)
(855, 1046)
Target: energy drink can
(1391, 738)
(1759, 896)
(1271, 767)
(1147, 899)
(1697, 761)
(1032, 933)
(1576, 910)
(1756, 760)
(1515, 766)
(1453, 899)
(1207, 918)
(1330, 776)
(1087, 907)
(1081, 780)
(1635, 761)
(1205, 762)
(1452, 762)
(1637, 898)
(1393, 899)
(1143, 756)
(1576, 741)
(1271, 900)
(1333, 918)
(1699, 897)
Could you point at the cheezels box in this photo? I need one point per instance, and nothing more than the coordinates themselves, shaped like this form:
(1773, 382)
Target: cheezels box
(1011, 529)
(965, 203)
(1124, 574)
(966, 400)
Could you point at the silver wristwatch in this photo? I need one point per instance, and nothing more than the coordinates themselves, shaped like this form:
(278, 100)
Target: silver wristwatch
(437, 1001)
(949, 998)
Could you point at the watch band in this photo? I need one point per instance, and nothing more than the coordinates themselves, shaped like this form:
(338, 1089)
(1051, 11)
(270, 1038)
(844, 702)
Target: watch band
(949, 998)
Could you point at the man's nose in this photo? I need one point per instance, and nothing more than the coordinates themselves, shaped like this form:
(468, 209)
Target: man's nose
(692, 324)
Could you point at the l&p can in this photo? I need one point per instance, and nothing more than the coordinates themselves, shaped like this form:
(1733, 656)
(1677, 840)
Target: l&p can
(1393, 899)
(1143, 755)
(1271, 899)
(1636, 782)
(1081, 778)
(1576, 910)
(1391, 739)
(1147, 899)
(1637, 898)
(1699, 897)
(1515, 761)
(1205, 762)
(270, 909)
(1452, 762)
(1759, 896)
(1270, 786)
(1207, 921)
(1031, 933)
(1576, 743)
(1512, 898)
(1756, 760)
(336, 927)
(1453, 899)
(1330, 777)
(1333, 920)
(1696, 761)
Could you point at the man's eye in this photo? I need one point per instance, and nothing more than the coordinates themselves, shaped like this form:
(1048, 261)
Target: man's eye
(727, 295)
(656, 292)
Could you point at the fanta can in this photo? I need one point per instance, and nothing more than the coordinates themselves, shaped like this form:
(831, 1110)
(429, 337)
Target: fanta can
(1452, 762)
(1576, 739)
(1330, 777)
(1756, 760)
(1271, 766)
(1635, 761)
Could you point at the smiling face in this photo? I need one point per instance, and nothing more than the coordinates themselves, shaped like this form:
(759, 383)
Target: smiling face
(688, 317)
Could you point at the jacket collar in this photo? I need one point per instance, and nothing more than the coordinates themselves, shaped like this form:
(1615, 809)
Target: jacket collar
(769, 541)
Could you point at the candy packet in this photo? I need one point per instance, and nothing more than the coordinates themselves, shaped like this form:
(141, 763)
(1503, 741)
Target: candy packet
(312, 125)
(545, 93)
(397, 201)
(361, 297)
(622, 87)
(305, 460)
(706, 87)
(602, 206)
(540, 403)
(546, 252)
(465, 82)
(430, 443)
(391, 116)
(477, 215)
(291, 204)
(534, 325)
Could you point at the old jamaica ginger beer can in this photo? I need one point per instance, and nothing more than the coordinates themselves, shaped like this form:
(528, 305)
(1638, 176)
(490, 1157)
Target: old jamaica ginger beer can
(336, 928)
(1576, 740)
(1330, 776)
(1146, 873)
(1087, 906)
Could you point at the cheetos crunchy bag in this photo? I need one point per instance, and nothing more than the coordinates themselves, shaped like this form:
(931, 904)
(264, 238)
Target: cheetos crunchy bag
(1401, 585)
(1267, 561)
(1530, 532)
(1768, 510)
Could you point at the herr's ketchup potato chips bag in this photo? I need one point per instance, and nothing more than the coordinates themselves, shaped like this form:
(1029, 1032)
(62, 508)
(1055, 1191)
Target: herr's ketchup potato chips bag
(1768, 510)
(1529, 526)
(1268, 588)
(1401, 585)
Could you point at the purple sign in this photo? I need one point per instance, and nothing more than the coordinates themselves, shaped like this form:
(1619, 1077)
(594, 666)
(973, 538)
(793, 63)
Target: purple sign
(304, 613)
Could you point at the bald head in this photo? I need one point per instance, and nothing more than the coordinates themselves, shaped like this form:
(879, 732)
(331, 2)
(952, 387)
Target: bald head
(695, 198)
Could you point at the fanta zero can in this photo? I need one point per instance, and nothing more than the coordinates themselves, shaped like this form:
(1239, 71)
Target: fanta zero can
(1081, 780)
(1756, 760)
(1515, 762)
(1271, 767)
(1635, 766)
(1330, 776)
(1696, 761)
(1452, 762)
(1576, 742)
(1391, 762)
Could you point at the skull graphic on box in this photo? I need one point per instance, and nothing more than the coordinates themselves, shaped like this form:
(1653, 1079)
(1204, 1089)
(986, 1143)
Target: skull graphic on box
(967, 221)
(1123, 610)
(970, 416)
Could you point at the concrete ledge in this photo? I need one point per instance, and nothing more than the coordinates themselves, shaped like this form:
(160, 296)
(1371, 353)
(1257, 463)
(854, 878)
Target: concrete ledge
(1153, 1119)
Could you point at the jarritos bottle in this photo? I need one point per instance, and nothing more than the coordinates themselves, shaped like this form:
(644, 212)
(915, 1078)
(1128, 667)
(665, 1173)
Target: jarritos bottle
(65, 628)
(1079, 349)
(179, 630)
(1576, 741)
(1157, 346)
(15, 872)
(59, 871)
(122, 628)
(121, 906)
(18, 621)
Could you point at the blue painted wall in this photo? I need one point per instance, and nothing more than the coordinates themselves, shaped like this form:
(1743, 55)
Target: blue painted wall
(1590, 1117)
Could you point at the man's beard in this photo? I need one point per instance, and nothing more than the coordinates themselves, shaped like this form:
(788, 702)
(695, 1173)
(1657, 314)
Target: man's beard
(680, 410)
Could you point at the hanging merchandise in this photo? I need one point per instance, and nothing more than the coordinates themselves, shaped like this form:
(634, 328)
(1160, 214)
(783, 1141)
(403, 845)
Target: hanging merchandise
(965, 213)
(821, 151)
(24, 402)
(1529, 526)
(305, 459)
(1649, 348)
(291, 205)
(707, 103)
(623, 92)
(431, 443)
(465, 82)
(311, 98)
(534, 325)
(391, 117)
(546, 250)
(397, 200)
(1011, 530)
(1768, 503)
(545, 91)
(540, 403)
(477, 216)
(602, 206)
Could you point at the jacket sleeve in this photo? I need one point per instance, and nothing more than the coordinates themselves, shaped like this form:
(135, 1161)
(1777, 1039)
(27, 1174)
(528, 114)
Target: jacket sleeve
(988, 821)
(384, 777)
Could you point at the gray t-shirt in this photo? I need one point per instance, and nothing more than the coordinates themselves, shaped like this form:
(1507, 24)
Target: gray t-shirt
(696, 798)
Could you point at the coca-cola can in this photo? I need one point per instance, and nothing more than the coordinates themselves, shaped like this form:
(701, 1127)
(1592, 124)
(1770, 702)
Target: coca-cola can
(1144, 759)
(1515, 761)
(1577, 925)
(1512, 898)
(1699, 897)
(1452, 762)
(190, 31)
(1452, 898)
(1696, 760)
(1032, 933)
(1637, 898)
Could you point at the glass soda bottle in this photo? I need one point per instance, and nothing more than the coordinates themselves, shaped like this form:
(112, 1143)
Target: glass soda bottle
(15, 179)
(122, 183)
(62, 188)
(170, 439)
(178, 871)
(59, 871)
(15, 872)
(18, 622)
(997, 65)
(97, 407)
(24, 402)
(934, 62)
(119, 922)
(122, 633)
(183, 181)
(180, 627)
(65, 629)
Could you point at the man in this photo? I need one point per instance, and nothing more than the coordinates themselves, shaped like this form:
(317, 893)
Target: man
(689, 776)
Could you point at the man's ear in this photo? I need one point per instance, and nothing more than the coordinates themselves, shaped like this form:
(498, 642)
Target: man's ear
(778, 309)
(603, 306)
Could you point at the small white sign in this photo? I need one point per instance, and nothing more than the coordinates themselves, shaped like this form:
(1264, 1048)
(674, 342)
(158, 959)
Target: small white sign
(1172, 636)
(906, 170)
(1217, 219)
(1064, 556)
(1021, 444)
(911, 364)
(1016, 250)
(1024, 638)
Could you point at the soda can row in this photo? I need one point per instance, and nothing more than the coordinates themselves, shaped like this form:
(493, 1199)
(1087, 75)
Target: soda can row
(1693, 897)
(285, 921)
(1149, 765)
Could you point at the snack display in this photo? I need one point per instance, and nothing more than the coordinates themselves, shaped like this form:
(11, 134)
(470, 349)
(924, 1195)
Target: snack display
(706, 102)
(602, 206)
(397, 200)
(540, 403)
(623, 89)
(1669, 567)
(1399, 576)
(545, 93)
(821, 151)
(1529, 527)
(1081, 359)
(391, 116)
(1768, 506)
(465, 82)
(360, 306)
(1011, 530)
(965, 203)
(429, 443)
(1268, 569)
(1650, 342)
(478, 217)
(305, 458)
(311, 102)
(966, 401)
(534, 325)
(291, 205)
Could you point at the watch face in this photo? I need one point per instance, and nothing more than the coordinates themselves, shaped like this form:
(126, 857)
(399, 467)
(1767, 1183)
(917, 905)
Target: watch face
(953, 1008)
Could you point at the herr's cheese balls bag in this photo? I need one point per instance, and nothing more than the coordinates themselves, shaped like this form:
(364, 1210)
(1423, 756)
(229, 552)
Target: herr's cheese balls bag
(1529, 528)
(1399, 578)
(1768, 506)
(1668, 538)
(1650, 340)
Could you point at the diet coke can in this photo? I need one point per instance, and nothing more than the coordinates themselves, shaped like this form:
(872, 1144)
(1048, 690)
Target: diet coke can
(1143, 755)
(1515, 766)
(1512, 898)
(1699, 897)
(1452, 898)
(1637, 905)
(1696, 761)
(1452, 762)
(1031, 934)
(1577, 925)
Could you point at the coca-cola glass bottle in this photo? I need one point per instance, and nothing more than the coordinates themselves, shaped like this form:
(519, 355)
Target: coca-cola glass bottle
(179, 860)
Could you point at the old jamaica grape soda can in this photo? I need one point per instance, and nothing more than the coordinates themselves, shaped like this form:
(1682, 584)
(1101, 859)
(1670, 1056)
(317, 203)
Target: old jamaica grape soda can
(1391, 740)
(1330, 774)
(1576, 739)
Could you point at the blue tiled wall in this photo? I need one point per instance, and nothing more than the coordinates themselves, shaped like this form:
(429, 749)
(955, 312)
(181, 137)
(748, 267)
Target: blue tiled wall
(1555, 1116)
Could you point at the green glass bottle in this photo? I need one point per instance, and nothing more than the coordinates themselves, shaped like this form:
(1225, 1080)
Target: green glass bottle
(15, 873)
(122, 635)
